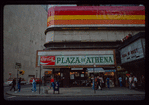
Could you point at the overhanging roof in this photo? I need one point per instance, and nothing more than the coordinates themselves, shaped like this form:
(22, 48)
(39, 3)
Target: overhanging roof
(96, 70)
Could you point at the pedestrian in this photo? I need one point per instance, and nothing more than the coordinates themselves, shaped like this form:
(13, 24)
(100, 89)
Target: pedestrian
(130, 82)
(143, 82)
(52, 83)
(44, 80)
(108, 80)
(120, 81)
(19, 84)
(135, 82)
(99, 82)
(127, 80)
(96, 83)
(13, 84)
(93, 83)
(34, 85)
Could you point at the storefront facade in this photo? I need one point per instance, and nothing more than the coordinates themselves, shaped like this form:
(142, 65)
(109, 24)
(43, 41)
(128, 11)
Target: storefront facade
(77, 37)
(70, 67)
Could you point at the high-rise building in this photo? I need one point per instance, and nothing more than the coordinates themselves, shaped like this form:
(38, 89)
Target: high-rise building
(24, 27)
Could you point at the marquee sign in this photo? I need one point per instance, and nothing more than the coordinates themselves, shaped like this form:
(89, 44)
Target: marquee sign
(85, 60)
(133, 51)
(54, 58)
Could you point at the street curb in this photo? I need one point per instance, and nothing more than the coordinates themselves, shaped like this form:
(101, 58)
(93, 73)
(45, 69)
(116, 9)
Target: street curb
(60, 95)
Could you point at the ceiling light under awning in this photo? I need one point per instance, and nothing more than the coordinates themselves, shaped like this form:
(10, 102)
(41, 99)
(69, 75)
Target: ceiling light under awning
(96, 70)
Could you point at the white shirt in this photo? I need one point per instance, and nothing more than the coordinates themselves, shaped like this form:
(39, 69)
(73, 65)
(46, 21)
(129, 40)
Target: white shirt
(120, 79)
(33, 81)
(130, 79)
(135, 79)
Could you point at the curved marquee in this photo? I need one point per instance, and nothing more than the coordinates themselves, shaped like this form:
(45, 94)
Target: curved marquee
(99, 16)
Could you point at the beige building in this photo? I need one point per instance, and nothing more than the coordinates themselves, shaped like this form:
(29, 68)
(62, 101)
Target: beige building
(24, 27)
(77, 37)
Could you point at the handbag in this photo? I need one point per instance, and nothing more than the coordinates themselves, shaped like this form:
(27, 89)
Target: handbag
(99, 87)
(133, 85)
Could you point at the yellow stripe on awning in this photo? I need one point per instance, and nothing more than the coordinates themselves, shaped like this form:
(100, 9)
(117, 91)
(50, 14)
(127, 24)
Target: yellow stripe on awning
(95, 17)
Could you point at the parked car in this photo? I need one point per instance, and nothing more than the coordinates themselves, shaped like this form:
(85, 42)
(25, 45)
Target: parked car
(38, 80)
(9, 81)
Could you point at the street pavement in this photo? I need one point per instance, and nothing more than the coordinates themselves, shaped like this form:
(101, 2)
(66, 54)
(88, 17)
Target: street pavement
(73, 91)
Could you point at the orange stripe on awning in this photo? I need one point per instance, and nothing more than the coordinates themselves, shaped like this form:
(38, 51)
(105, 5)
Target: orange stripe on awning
(83, 22)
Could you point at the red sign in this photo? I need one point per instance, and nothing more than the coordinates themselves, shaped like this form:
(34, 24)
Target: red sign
(47, 60)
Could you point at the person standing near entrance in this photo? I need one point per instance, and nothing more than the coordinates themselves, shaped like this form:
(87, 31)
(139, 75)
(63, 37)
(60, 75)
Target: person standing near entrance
(108, 80)
(130, 82)
(120, 81)
(13, 84)
(143, 82)
(127, 81)
(135, 82)
(93, 83)
(99, 80)
(52, 83)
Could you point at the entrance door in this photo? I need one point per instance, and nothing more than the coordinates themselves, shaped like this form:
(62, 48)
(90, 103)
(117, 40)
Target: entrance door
(66, 76)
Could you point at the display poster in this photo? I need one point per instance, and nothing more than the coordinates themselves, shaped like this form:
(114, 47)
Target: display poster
(132, 52)
(72, 76)
(61, 74)
(82, 75)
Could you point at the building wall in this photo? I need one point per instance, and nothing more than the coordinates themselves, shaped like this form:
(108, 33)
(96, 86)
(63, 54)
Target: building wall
(98, 35)
(24, 27)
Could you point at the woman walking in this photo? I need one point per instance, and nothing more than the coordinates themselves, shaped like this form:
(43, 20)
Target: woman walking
(13, 84)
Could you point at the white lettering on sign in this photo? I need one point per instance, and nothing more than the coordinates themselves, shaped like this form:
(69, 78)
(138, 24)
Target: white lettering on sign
(85, 60)
(132, 52)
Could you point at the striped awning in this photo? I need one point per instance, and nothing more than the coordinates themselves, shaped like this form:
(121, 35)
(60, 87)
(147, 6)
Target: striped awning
(100, 16)
(96, 70)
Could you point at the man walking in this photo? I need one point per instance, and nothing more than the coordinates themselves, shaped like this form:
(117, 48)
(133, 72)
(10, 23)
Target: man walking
(13, 84)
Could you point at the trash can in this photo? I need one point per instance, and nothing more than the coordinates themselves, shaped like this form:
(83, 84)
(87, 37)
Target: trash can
(56, 87)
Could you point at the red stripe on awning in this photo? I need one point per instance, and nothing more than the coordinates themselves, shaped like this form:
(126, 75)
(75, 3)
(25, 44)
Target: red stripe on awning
(96, 12)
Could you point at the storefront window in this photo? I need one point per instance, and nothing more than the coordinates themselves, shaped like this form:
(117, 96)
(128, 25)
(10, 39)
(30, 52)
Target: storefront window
(111, 76)
(72, 75)
(76, 74)
(86, 74)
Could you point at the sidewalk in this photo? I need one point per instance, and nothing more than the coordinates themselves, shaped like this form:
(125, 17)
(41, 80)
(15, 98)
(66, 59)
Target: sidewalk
(76, 91)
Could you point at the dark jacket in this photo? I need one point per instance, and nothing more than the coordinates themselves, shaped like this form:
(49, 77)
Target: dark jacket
(19, 82)
(14, 82)
(98, 80)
